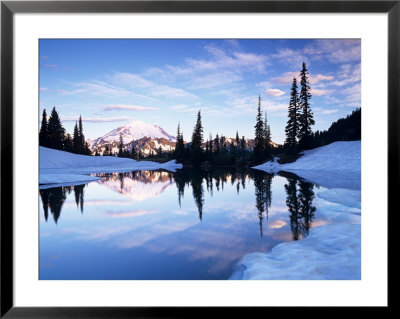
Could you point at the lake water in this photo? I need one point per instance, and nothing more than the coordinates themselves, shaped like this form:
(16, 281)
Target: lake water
(163, 225)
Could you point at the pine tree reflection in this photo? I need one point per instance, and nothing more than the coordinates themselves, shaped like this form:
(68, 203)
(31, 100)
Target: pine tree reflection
(78, 190)
(54, 198)
(299, 202)
(263, 193)
(198, 192)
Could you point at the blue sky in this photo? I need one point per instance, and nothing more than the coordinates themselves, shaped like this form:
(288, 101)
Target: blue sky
(112, 82)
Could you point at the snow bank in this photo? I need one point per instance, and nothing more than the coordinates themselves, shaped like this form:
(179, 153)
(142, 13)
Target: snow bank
(346, 197)
(331, 251)
(337, 165)
(337, 156)
(59, 166)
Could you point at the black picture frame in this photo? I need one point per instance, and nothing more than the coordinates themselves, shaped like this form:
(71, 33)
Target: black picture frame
(9, 8)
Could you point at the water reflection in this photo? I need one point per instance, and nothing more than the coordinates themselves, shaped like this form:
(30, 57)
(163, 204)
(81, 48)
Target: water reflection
(142, 185)
(138, 185)
(299, 200)
(54, 198)
(161, 225)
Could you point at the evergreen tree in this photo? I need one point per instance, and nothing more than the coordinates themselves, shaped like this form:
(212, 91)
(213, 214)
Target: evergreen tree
(55, 131)
(197, 140)
(133, 152)
(306, 116)
(267, 138)
(121, 146)
(76, 139)
(81, 137)
(217, 144)
(292, 126)
(180, 146)
(237, 139)
(259, 135)
(68, 144)
(44, 133)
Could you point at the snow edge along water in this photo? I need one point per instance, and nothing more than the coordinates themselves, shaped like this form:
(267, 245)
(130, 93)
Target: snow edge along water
(60, 167)
(332, 251)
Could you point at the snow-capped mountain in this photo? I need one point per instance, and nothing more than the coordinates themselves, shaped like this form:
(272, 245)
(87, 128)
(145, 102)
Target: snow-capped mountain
(146, 137)
(135, 131)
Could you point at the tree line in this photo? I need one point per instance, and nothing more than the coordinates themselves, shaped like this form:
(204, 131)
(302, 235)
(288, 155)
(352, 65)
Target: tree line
(344, 129)
(299, 135)
(52, 134)
(219, 152)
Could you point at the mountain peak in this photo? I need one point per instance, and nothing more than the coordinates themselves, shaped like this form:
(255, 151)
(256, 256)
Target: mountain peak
(135, 130)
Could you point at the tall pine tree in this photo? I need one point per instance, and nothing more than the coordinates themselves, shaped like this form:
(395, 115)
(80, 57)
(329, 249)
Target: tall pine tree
(180, 146)
(197, 140)
(259, 135)
(55, 131)
(81, 136)
(267, 138)
(121, 146)
(306, 116)
(292, 126)
(44, 133)
(76, 140)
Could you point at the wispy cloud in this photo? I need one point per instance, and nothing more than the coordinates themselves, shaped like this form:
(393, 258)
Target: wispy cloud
(136, 81)
(290, 57)
(335, 51)
(179, 107)
(213, 80)
(319, 92)
(219, 59)
(97, 120)
(124, 107)
(287, 78)
(51, 66)
(275, 92)
(101, 88)
(348, 74)
(319, 110)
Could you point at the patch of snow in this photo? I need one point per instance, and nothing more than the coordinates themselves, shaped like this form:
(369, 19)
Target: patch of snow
(55, 165)
(331, 251)
(342, 156)
(331, 179)
(346, 197)
(337, 165)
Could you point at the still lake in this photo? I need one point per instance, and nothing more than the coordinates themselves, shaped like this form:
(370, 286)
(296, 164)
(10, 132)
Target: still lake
(162, 225)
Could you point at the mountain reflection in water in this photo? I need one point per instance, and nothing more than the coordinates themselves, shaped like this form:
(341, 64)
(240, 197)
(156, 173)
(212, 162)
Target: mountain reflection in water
(232, 206)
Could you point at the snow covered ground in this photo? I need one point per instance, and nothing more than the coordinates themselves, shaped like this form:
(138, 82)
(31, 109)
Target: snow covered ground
(337, 165)
(331, 251)
(58, 167)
